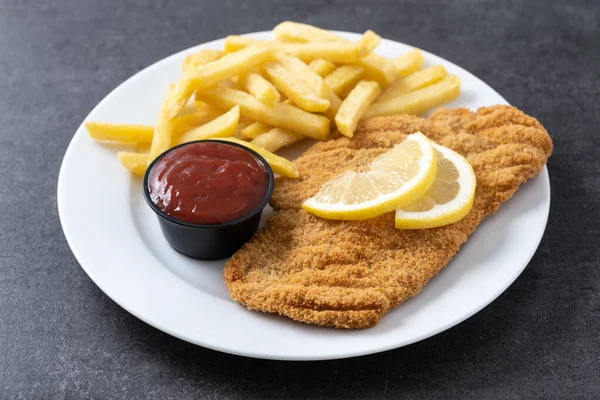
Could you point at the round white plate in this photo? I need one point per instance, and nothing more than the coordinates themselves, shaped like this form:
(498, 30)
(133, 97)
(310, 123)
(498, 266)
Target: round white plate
(116, 239)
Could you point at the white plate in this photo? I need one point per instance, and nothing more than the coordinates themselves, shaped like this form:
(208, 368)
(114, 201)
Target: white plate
(116, 239)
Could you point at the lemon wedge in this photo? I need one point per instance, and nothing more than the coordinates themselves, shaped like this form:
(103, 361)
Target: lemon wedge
(394, 179)
(449, 199)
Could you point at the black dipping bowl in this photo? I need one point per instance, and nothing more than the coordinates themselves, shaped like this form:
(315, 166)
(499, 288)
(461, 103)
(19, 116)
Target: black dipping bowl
(210, 241)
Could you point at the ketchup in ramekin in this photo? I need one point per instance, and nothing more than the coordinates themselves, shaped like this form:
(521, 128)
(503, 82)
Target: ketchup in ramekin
(208, 196)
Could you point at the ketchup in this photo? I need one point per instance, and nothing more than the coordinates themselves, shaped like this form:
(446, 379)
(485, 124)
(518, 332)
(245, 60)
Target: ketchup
(208, 183)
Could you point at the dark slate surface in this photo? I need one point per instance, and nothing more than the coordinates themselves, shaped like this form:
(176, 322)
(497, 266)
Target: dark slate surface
(61, 337)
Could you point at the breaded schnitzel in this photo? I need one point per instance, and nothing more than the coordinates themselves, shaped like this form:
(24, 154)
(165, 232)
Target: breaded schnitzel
(347, 274)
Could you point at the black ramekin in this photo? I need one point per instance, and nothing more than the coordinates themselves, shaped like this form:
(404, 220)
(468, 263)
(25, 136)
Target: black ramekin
(209, 241)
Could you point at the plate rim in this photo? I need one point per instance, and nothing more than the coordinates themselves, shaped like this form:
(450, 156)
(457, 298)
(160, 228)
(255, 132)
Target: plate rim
(60, 204)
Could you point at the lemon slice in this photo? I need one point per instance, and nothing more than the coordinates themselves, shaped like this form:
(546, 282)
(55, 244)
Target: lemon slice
(396, 178)
(448, 200)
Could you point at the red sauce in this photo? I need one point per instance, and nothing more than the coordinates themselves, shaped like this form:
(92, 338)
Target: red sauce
(208, 183)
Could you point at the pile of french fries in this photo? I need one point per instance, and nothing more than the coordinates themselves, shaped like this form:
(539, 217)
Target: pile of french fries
(266, 95)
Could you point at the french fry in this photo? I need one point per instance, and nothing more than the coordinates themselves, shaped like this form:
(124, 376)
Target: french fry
(379, 69)
(288, 31)
(255, 129)
(344, 78)
(367, 43)
(312, 80)
(163, 130)
(214, 72)
(279, 165)
(261, 88)
(277, 138)
(240, 127)
(222, 126)
(355, 105)
(135, 162)
(414, 81)
(409, 62)
(376, 67)
(202, 57)
(302, 72)
(142, 148)
(126, 133)
(419, 101)
(294, 89)
(281, 115)
(341, 52)
(204, 114)
(322, 67)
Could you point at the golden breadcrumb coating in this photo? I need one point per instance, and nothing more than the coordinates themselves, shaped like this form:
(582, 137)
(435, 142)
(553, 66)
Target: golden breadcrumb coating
(347, 274)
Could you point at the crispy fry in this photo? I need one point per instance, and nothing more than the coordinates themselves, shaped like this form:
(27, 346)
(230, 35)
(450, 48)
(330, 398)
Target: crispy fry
(126, 133)
(261, 88)
(302, 72)
(355, 105)
(277, 138)
(163, 130)
(322, 67)
(142, 147)
(379, 69)
(135, 162)
(376, 67)
(344, 78)
(418, 101)
(288, 31)
(204, 114)
(202, 57)
(414, 81)
(281, 115)
(214, 72)
(409, 62)
(312, 80)
(255, 129)
(367, 43)
(279, 165)
(342, 51)
(222, 126)
(240, 127)
(294, 89)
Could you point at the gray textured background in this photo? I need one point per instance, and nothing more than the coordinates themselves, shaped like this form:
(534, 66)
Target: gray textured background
(61, 337)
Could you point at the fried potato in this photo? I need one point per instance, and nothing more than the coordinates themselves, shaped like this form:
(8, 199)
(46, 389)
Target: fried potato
(242, 124)
(294, 89)
(289, 31)
(376, 67)
(281, 115)
(142, 147)
(259, 87)
(414, 81)
(163, 130)
(202, 57)
(126, 133)
(302, 72)
(277, 138)
(355, 105)
(341, 52)
(222, 126)
(312, 80)
(418, 101)
(214, 72)
(204, 114)
(344, 78)
(409, 62)
(379, 69)
(322, 67)
(279, 165)
(135, 162)
(255, 129)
